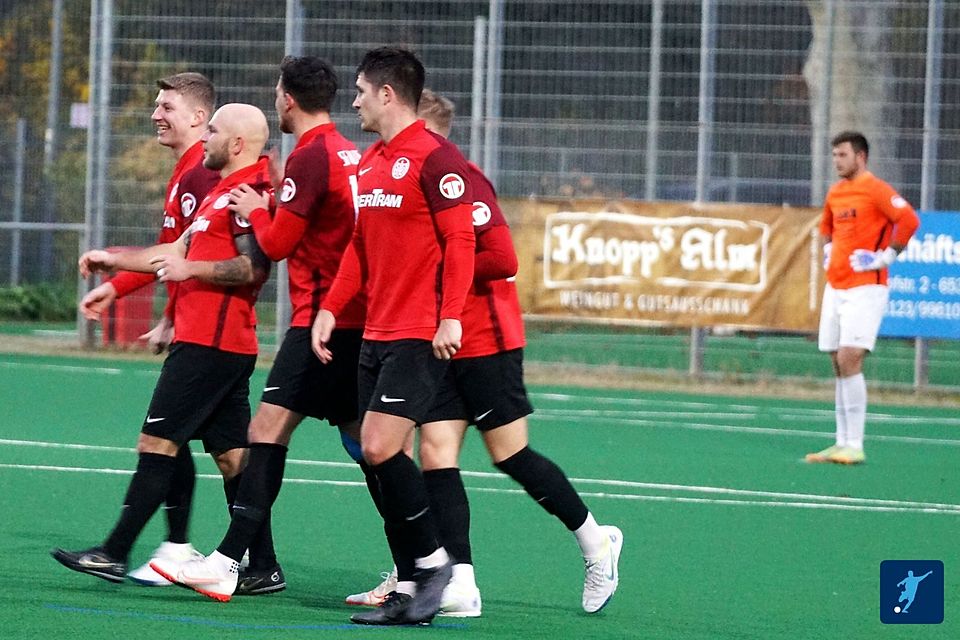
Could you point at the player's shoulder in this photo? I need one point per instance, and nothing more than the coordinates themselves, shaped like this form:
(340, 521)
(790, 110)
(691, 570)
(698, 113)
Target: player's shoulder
(199, 173)
(442, 151)
(477, 175)
(871, 181)
(197, 181)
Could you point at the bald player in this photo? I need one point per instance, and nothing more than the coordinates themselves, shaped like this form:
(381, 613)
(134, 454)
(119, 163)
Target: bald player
(203, 389)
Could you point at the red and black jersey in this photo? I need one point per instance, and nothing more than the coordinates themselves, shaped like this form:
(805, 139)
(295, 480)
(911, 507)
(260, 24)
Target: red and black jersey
(492, 320)
(209, 314)
(314, 221)
(412, 249)
(188, 185)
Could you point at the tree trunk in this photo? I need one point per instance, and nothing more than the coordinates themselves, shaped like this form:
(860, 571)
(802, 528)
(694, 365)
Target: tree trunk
(861, 91)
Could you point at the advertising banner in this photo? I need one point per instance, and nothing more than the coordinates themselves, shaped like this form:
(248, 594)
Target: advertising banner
(678, 264)
(925, 281)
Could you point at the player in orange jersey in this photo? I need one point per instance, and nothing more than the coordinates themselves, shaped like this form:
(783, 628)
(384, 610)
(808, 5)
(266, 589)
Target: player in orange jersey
(865, 224)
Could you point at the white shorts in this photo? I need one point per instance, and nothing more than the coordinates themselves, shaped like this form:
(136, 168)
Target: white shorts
(851, 317)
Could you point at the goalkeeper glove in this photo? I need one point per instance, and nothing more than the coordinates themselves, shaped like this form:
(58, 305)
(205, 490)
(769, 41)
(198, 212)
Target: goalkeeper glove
(826, 254)
(864, 260)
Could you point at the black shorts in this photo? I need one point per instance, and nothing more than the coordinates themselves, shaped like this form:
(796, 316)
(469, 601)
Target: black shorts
(301, 383)
(399, 377)
(202, 394)
(487, 391)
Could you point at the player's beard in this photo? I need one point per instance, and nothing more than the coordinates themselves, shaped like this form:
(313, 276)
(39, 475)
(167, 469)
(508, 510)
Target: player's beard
(284, 123)
(215, 159)
(846, 172)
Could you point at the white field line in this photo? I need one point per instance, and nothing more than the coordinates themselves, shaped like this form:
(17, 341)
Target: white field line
(928, 509)
(791, 413)
(729, 428)
(110, 371)
(74, 368)
(679, 488)
(500, 476)
(735, 411)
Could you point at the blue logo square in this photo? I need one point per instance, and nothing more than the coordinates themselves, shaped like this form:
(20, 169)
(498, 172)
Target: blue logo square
(911, 592)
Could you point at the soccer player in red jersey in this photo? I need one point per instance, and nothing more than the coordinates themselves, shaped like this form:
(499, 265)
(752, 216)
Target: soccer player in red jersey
(313, 223)
(484, 386)
(184, 105)
(412, 254)
(865, 225)
(203, 389)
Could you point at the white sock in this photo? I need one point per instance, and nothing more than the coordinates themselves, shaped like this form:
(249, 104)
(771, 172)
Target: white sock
(854, 390)
(463, 574)
(436, 559)
(590, 537)
(841, 414)
(408, 587)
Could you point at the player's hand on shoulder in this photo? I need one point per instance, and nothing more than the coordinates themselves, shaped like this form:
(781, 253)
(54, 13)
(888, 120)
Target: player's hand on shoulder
(244, 200)
(865, 260)
(275, 167)
(446, 341)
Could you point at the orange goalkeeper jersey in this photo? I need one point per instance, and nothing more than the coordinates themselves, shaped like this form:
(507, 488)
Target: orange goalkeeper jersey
(861, 214)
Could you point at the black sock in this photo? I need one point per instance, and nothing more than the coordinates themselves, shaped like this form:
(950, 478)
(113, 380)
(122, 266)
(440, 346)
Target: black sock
(373, 487)
(405, 502)
(546, 484)
(402, 550)
(448, 501)
(148, 486)
(263, 556)
(251, 508)
(180, 497)
(397, 537)
(230, 488)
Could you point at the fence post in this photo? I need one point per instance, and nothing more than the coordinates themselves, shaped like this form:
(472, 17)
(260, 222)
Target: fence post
(21, 146)
(708, 32)
(491, 141)
(293, 46)
(697, 339)
(928, 167)
(85, 328)
(653, 100)
(476, 97)
(818, 147)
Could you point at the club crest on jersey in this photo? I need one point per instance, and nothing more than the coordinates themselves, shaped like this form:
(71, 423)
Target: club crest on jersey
(222, 201)
(400, 168)
(243, 224)
(200, 224)
(188, 204)
(898, 202)
(289, 190)
(452, 186)
(481, 213)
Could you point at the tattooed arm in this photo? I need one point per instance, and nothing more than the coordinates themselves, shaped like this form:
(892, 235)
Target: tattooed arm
(250, 267)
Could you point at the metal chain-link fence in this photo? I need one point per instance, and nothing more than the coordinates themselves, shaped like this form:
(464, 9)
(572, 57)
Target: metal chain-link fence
(717, 100)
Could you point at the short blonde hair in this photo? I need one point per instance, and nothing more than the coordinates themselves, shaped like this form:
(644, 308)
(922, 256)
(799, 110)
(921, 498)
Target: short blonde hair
(195, 87)
(437, 111)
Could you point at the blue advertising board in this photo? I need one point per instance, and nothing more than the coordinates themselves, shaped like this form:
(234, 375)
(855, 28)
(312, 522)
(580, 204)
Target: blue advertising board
(925, 281)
